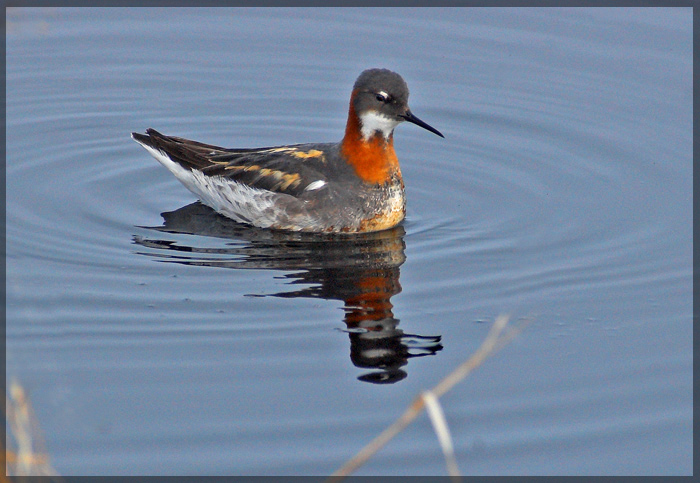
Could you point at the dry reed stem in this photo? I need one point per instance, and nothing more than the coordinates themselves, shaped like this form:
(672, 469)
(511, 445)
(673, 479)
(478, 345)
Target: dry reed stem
(494, 341)
(442, 430)
(31, 458)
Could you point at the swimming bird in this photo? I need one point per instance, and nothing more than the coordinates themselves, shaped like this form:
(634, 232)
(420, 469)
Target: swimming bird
(351, 186)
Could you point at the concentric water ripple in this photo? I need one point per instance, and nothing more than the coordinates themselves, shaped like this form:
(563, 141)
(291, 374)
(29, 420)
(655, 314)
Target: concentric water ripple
(156, 336)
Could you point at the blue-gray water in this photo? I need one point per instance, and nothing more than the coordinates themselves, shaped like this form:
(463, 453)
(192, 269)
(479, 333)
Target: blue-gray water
(187, 344)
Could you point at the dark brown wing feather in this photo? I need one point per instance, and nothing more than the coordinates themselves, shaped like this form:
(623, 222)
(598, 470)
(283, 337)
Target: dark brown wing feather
(283, 169)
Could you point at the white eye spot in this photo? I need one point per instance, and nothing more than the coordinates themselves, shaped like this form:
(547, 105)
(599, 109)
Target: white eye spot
(382, 96)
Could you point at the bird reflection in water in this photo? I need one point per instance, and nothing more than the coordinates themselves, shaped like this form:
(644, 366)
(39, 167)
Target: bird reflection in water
(361, 270)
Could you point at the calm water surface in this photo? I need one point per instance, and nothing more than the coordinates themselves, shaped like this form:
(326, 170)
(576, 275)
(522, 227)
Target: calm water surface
(156, 337)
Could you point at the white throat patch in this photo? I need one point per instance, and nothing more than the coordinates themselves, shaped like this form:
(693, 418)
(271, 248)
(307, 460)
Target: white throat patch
(372, 121)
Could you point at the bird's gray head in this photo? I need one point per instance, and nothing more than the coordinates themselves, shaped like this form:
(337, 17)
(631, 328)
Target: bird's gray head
(380, 100)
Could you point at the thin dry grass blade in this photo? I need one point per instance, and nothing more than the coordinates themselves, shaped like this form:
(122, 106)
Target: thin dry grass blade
(30, 458)
(493, 342)
(382, 439)
(490, 344)
(442, 430)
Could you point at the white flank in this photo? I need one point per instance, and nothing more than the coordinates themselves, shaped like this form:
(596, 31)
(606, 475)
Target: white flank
(235, 200)
(372, 121)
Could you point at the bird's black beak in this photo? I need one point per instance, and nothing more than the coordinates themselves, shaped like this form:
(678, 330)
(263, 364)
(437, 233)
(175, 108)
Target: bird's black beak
(411, 118)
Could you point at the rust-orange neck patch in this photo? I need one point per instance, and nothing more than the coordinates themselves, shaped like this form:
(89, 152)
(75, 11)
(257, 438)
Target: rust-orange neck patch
(374, 160)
